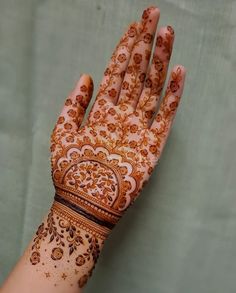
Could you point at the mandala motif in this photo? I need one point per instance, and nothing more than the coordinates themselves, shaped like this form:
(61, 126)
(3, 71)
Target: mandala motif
(96, 179)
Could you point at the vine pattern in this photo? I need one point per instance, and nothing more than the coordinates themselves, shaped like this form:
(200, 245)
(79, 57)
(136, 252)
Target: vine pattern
(64, 246)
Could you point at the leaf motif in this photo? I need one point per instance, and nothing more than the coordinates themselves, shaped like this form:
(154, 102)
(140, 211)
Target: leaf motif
(81, 240)
(71, 233)
(71, 250)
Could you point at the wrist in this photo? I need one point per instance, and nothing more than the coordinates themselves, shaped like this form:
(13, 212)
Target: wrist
(64, 251)
(86, 212)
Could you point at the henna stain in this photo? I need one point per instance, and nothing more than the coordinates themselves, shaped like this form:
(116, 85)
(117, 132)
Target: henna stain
(47, 275)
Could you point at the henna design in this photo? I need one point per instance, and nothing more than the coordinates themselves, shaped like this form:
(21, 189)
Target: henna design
(63, 276)
(45, 230)
(74, 238)
(154, 83)
(47, 275)
(69, 235)
(99, 169)
(92, 251)
(57, 253)
(62, 248)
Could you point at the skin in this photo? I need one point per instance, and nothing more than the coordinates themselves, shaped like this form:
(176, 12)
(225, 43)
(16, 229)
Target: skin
(99, 169)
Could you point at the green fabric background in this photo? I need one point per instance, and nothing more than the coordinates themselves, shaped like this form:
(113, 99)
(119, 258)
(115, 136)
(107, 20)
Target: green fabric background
(180, 236)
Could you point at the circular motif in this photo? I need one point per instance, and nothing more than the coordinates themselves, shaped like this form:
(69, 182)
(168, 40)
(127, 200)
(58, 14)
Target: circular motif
(35, 258)
(57, 253)
(98, 174)
(95, 179)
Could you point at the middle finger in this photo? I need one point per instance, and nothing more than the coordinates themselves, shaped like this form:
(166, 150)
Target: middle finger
(136, 71)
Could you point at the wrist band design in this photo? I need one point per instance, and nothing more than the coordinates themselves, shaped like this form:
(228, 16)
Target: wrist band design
(58, 239)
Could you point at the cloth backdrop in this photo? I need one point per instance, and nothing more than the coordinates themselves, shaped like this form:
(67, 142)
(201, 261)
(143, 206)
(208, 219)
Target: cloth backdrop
(180, 236)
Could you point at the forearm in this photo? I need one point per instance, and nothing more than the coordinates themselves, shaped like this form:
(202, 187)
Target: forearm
(60, 258)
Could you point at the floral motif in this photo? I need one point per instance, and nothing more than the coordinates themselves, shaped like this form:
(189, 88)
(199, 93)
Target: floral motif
(80, 260)
(121, 58)
(57, 253)
(137, 58)
(69, 238)
(148, 38)
(132, 32)
(35, 258)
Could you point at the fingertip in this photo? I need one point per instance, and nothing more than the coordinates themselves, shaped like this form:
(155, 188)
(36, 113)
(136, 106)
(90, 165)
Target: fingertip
(165, 36)
(151, 12)
(132, 30)
(85, 81)
(153, 9)
(170, 29)
(133, 24)
(177, 78)
(166, 29)
(89, 83)
(179, 67)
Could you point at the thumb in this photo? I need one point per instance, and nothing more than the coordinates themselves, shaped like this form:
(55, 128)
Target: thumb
(76, 104)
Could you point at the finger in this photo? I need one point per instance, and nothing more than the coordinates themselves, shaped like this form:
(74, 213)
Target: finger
(76, 104)
(114, 73)
(157, 75)
(138, 64)
(162, 123)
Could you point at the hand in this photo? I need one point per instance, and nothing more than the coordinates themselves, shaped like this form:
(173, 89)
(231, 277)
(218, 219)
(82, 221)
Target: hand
(99, 169)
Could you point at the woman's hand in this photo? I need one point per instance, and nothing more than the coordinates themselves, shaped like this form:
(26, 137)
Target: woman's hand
(99, 169)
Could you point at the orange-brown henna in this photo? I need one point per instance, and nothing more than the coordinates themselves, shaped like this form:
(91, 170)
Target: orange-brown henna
(139, 59)
(99, 169)
(67, 246)
(155, 80)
